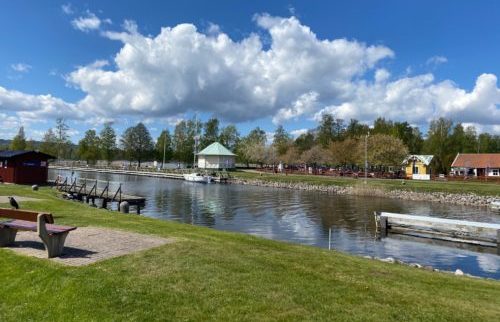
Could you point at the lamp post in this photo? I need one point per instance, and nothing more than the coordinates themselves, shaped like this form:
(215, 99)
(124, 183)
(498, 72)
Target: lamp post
(164, 148)
(366, 155)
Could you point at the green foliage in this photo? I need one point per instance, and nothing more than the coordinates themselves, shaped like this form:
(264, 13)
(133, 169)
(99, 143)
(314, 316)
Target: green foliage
(164, 146)
(211, 133)
(229, 137)
(107, 142)
(282, 140)
(62, 139)
(19, 141)
(384, 150)
(304, 142)
(252, 148)
(49, 143)
(137, 143)
(88, 147)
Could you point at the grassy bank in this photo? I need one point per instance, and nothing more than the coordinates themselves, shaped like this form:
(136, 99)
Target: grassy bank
(213, 275)
(479, 188)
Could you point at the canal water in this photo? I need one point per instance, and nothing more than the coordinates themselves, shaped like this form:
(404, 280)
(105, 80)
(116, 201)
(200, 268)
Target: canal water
(305, 217)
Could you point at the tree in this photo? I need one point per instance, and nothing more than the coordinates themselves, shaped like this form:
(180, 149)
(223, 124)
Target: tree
(282, 140)
(88, 147)
(355, 129)
(137, 143)
(19, 141)
(229, 137)
(107, 142)
(304, 142)
(49, 143)
(314, 156)
(439, 144)
(325, 130)
(252, 148)
(344, 153)
(183, 150)
(164, 147)
(383, 150)
(62, 138)
(211, 132)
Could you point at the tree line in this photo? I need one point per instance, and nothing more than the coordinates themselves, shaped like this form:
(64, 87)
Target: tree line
(334, 142)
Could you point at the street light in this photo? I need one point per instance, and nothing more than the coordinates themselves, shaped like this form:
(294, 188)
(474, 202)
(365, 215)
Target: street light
(366, 155)
(164, 148)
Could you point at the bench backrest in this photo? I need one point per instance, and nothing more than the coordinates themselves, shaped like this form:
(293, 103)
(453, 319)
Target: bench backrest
(24, 215)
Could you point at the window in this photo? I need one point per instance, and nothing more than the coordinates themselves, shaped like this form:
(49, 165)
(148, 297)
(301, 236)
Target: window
(415, 170)
(495, 172)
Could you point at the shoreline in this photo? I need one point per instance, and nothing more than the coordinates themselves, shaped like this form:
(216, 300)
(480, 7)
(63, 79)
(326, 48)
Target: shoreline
(465, 199)
(468, 199)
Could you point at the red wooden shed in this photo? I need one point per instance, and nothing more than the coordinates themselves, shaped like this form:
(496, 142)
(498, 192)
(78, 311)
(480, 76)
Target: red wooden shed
(24, 167)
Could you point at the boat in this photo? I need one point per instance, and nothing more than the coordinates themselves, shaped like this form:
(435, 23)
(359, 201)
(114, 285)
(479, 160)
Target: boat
(495, 205)
(197, 177)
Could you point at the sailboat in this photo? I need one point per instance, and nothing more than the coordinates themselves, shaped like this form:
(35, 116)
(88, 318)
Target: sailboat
(196, 176)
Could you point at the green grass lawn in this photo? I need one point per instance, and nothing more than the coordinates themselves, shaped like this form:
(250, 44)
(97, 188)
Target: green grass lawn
(479, 188)
(214, 275)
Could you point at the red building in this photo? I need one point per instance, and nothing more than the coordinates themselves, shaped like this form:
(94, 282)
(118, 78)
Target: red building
(24, 167)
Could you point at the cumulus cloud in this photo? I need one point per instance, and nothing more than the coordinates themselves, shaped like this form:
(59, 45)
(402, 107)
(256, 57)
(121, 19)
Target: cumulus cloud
(419, 99)
(88, 22)
(36, 107)
(299, 132)
(182, 69)
(436, 60)
(21, 67)
(291, 76)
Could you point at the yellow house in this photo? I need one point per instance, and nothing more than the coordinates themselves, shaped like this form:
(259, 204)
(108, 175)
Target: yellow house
(417, 167)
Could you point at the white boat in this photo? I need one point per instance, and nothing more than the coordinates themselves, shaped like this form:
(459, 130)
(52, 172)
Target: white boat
(495, 204)
(197, 177)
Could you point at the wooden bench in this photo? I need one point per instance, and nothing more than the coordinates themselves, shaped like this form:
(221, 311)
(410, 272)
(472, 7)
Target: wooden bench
(52, 236)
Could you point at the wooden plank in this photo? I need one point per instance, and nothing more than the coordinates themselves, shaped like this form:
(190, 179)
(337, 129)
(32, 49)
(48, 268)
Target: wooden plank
(24, 215)
(440, 228)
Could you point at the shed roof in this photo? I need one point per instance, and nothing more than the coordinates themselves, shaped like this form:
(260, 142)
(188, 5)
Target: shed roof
(424, 158)
(216, 149)
(477, 160)
(7, 154)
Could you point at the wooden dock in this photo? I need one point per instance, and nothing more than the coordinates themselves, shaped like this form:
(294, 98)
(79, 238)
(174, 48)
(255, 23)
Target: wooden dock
(82, 191)
(461, 231)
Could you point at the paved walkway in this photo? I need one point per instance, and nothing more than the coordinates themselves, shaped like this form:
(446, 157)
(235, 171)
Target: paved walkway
(88, 245)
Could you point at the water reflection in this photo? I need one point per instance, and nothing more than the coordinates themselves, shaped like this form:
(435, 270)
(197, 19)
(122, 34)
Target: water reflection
(305, 217)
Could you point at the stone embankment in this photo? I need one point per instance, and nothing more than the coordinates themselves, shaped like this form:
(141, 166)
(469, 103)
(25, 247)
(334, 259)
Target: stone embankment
(469, 199)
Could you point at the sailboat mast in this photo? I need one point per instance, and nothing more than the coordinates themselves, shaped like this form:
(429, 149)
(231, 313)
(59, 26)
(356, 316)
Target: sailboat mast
(195, 140)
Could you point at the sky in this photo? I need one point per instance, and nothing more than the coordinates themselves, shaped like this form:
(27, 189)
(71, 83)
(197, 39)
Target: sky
(253, 63)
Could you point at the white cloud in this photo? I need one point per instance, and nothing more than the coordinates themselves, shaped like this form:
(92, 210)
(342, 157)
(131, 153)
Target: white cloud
(36, 107)
(67, 9)
(21, 67)
(182, 69)
(88, 22)
(299, 132)
(419, 99)
(296, 75)
(436, 60)
(305, 104)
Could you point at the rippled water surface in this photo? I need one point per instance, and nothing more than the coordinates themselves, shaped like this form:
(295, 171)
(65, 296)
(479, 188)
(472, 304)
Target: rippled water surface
(305, 217)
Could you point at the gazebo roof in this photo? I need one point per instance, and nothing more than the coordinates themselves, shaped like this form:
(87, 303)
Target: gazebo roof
(425, 159)
(216, 149)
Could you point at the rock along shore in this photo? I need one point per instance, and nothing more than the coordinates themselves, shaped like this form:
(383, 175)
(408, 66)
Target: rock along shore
(469, 199)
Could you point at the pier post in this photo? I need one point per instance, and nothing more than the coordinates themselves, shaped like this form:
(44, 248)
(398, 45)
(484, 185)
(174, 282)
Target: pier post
(124, 207)
(383, 226)
(498, 242)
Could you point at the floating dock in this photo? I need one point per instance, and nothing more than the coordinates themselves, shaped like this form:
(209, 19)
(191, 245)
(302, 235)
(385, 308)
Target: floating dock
(461, 231)
(91, 193)
(221, 178)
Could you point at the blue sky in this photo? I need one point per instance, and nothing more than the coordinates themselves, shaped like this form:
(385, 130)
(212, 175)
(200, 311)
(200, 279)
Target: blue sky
(251, 63)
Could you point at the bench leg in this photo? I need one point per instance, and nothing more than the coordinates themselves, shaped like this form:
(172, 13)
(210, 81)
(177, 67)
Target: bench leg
(7, 236)
(54, 244)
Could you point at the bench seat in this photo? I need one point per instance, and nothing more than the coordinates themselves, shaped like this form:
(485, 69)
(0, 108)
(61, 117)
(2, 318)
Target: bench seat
(32, 226)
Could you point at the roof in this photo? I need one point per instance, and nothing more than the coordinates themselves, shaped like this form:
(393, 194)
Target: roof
(216, 149)
(424, 158)
(477, 160)
(7, 154)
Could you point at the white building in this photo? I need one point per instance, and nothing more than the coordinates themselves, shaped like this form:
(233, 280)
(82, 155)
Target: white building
(216, 156)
